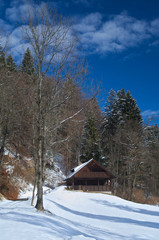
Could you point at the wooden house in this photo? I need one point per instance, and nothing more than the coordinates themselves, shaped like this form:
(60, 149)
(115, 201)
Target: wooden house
(90, 176)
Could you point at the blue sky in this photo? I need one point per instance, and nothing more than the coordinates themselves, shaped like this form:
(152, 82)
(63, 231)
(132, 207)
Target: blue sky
(119, 39)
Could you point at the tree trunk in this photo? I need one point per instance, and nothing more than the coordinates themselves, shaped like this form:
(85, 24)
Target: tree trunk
(40, 144)
(35, 180)
(39, 204)
(33, 194)
(1, 155)
(3, 146)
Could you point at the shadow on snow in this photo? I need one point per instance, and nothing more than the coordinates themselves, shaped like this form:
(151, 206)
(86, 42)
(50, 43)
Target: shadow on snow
(108, 218)
(126, 208)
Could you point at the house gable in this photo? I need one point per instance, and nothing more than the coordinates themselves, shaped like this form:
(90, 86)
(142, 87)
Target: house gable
(90, 169)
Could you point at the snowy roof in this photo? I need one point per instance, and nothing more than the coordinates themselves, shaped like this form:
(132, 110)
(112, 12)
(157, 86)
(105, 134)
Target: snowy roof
(78, 168)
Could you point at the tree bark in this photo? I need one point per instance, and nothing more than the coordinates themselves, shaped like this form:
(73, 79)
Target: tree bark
(3, 146)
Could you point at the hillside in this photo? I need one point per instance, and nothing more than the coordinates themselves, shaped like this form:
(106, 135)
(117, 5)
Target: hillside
(79, 216)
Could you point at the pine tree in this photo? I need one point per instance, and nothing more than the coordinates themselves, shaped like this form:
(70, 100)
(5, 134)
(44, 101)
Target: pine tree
(120, 108)
(10, 63)
(121, 138)
(2, 58)
(90, 147)
(27, 63)
(110, 116)
(109, 126)
(127, 108)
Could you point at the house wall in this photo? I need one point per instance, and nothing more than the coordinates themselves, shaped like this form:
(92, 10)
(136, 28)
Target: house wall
(91, 177)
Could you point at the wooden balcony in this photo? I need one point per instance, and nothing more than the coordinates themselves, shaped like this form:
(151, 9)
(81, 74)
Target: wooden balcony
(91, 175)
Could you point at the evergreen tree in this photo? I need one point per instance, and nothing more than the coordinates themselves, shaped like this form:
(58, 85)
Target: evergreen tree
(110, 116)
(90, 147)
(110, 104)
(120, 108)
(121, 138)
(10, 63)
(109, 126)
(27, 63)
(127, 108)
(2, 58)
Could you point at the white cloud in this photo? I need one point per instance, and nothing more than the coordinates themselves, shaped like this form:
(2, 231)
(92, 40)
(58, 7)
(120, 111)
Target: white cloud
(150, 113)
(116, 34)
(17, 45)
(15, 37)
(5, 27)
(89, 23)
(18, 12)
(96, 34)
(154, 27)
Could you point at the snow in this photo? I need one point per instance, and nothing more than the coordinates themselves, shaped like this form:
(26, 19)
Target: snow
(56, 173)
(72, 215)
(9, 153)
(78, 168)
(9, 169)
(54, 177)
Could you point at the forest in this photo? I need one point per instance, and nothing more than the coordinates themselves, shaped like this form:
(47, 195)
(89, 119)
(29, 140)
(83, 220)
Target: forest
(47, 109)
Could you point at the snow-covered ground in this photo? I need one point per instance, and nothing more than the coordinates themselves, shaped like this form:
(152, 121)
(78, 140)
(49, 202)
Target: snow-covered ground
(79, 216)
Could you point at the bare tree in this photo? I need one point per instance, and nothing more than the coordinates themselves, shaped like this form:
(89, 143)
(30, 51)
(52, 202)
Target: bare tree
(52, 46)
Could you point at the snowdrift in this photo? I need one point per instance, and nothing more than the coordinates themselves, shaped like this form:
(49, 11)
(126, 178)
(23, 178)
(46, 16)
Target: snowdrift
(79, 216)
